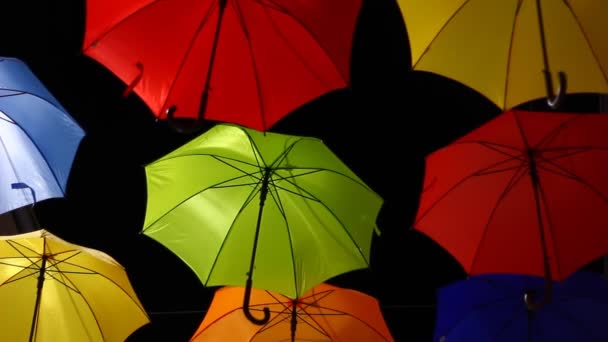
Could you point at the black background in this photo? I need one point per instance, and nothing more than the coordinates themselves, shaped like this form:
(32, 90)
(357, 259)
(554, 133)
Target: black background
(382, 128)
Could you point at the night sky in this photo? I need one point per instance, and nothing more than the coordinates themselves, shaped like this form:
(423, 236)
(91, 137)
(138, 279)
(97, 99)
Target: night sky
(382, 128)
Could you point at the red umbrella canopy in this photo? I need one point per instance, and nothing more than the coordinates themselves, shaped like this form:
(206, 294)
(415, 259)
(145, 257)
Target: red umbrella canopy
(525, 193)
(248, 62)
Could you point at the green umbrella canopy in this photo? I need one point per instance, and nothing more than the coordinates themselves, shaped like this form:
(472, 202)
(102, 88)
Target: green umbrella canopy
(316, 222)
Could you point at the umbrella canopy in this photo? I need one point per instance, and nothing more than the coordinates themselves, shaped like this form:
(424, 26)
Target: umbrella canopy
(235, 200)
(490, 308)
(325, 313)
(501, 49)
(38, 139)
(524, 193)
(248, 62)
(53, 290)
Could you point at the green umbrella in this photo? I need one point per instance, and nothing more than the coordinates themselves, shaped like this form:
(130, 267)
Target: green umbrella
(235, 200)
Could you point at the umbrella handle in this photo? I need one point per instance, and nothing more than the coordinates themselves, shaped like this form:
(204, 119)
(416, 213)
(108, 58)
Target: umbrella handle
(135, 81)
(22, 185)
(531, 303)
(247, 312)
(553, 99)
(195, 126)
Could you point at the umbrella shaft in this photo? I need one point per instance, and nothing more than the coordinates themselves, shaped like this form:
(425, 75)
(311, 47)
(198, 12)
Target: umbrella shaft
(38, 295)
(541, 29)
(294, 320)
(205, 94)
(263, 194)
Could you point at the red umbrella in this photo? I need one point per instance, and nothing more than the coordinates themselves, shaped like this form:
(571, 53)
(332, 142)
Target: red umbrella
(525, 193)
(248, 62)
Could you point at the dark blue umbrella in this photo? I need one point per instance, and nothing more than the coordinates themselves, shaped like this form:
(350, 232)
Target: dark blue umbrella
(38, 139)
(491, 308)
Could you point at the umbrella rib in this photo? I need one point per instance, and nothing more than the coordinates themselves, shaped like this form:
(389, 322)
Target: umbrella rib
(509, 54)
(254, 191)
(593, 52)
(123, 20)
(22, 92)
(94, 273)
(316, 170)
(494, 146)
(335, 313)
(218, 157)
(218, 319)
(279, 317)
(304, 194)
(573, 176)
(239, 13)
(447, 22)
(218, 185)
(549, 226)
(252, 306)
(346, 231)
(555, 131)
(283, 10)
(12, 243)
(86, 301)
(276, 198)
(33, 141)
(14, 277)
(517, 176)
(484, 170)
(182, 63)
(259, 159)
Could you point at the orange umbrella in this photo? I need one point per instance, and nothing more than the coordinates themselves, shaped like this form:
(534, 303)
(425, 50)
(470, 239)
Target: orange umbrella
(325, 313)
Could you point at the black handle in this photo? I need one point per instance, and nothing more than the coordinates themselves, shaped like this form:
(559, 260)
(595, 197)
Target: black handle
(553, 99)
(247, 312)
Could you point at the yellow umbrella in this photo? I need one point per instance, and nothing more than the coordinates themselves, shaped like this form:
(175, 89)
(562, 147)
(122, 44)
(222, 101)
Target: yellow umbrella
(52, 290)
(502, 48)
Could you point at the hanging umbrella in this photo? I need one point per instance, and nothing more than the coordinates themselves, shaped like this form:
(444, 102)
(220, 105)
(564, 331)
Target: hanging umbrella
(236, 200)
(325, 313)
(501, 49)
(248, 62)
(524, 193)
(491, 308)
(52, 290)
(38, 139)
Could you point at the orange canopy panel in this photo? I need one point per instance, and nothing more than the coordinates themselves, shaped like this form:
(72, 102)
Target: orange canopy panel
(325, 313)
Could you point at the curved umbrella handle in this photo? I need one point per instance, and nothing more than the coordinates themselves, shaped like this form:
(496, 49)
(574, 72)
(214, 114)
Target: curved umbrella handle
(21, 185)
(135, 81)
(196, 126)
(554, 100)
(532, 303)
(247, 312)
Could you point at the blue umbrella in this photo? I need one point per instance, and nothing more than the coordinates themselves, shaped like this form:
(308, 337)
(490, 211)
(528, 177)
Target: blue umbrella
(491, 308)
(38, 139)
